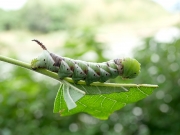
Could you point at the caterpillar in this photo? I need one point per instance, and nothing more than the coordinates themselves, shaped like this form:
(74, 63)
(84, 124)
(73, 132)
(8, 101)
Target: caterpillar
(88, 71)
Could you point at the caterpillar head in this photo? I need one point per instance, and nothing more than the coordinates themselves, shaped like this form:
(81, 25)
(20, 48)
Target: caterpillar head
(34, 63)
(131, 68)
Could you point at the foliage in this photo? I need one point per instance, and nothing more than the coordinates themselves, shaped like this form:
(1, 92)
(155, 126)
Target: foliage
(47, 16)
(9, 21)
(24, 104)
(155, 114)
(38, 17)
(56, 17)
(84, 40)
(161, 64)
(26, 99)
(99, 101)
(26, 108)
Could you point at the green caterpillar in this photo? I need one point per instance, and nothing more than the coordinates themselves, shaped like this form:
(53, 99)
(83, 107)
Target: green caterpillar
(88, 71)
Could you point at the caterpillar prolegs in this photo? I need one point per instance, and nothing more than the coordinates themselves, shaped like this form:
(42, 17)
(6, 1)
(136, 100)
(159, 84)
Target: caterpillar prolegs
(88, 71)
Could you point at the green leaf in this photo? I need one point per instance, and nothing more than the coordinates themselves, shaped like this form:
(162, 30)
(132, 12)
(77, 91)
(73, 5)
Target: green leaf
(58, 100)
(102, 101)
(71, 95)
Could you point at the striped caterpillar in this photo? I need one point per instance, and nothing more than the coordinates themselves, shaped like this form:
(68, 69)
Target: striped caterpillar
(88, 71)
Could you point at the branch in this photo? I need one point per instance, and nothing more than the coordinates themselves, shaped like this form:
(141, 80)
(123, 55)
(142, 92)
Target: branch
(55, 75)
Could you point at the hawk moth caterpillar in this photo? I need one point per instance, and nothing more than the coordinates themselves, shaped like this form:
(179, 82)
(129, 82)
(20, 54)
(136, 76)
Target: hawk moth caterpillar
(88, 71)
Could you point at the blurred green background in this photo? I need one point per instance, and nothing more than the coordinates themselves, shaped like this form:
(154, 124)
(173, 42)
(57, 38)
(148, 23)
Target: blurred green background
(93, 31)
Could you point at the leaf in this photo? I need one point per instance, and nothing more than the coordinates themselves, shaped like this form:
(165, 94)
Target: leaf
(71, 96)
(102, 101)
(58, 100)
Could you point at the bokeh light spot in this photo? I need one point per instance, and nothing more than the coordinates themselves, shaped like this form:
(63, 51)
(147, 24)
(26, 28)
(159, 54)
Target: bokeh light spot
(118, 127)
(161, 78)
(137, 111)
(155, 58)
(171, 57)
(104, 127)
(114, 117)
(174, 67)
(171, 49)
(160, 94)
(88, 119)
(152, 70)
(164, 108)
(73, 127)
(167, 98)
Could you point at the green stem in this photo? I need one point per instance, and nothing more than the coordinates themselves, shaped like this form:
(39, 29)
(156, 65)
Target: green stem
(55, 76)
